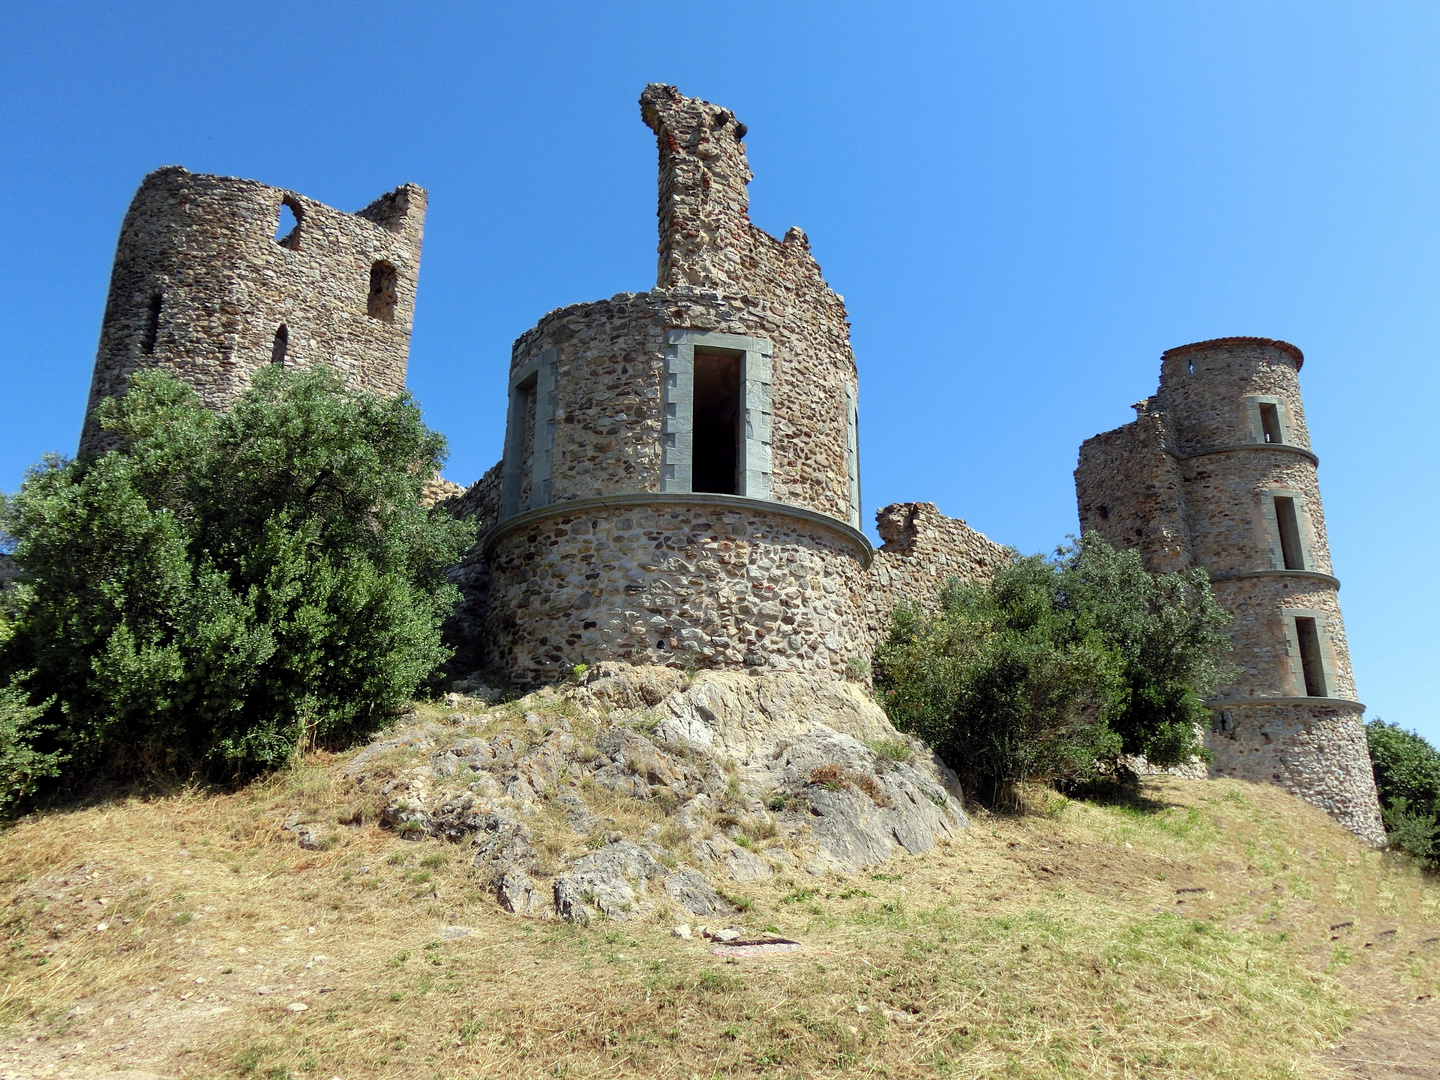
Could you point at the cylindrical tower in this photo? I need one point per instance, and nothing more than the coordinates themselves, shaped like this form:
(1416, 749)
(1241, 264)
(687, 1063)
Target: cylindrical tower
(207, 286)
(1236, 423)
(680, 481)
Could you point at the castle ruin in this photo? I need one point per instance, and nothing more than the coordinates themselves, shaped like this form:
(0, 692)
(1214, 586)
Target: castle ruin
(1216, 471)
(680, 479)
(206, 288)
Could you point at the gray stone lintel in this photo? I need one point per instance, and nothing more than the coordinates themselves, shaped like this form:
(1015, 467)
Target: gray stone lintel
(738, 504)
(706, 339)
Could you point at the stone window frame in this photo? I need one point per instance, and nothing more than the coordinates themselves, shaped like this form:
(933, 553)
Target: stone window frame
(852, 452)
(754, 467)
(1288, 615)
(1255, 426)
(1270, 526)
(536, 376)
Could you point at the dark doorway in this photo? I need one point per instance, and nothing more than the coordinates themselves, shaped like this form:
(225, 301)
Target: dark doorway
(717, 422)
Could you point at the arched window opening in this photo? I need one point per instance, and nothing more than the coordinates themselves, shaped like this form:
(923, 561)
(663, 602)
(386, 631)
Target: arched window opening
(282, 343)
(381, 304)
(287, 225)
(151, 333)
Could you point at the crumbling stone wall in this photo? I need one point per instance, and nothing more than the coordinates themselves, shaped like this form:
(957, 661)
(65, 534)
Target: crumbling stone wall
(202, 288)
(921, 550)
(1194, 481)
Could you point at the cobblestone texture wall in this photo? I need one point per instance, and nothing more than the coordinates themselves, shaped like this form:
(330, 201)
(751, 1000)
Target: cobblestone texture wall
(1308, 749)
(201, 287)
(1193, 481)
(921, 550)
(688, 585)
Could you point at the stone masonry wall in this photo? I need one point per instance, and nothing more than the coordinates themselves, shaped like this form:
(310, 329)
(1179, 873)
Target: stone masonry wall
(201, 286)
(1129, 487)
(1317, 751)
(922, 550)
(609, 386)
(709, 251)
(688, 585)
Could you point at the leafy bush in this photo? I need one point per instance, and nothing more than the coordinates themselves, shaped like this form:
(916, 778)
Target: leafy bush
(227, 587)
(1057, 668)
(1407, 779)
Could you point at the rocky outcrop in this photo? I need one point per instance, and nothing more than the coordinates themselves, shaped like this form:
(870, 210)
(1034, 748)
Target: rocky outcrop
(644, 790)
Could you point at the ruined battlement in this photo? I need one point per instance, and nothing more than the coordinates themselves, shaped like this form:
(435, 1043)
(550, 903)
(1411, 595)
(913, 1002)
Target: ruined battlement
(206, 287)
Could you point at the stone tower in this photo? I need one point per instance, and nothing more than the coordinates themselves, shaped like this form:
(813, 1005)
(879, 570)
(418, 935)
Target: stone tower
(205, 287)
(681, 480)
(1217, 471)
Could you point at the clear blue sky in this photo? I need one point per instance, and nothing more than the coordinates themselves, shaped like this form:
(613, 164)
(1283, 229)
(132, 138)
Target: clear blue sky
(1024, 204)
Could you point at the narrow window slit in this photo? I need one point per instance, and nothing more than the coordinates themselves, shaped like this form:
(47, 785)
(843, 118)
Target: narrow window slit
(381, 303)
(280, 345)
(1311, 664)
(1270, 422)
(717, 413)
(1288, 523)
(151, 334)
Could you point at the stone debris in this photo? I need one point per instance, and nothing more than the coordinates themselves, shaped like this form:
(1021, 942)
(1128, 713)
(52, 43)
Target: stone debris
(682, 931)
(758, 774)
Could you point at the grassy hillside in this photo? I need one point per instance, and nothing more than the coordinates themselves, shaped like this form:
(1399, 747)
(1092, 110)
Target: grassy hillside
(1217, 929)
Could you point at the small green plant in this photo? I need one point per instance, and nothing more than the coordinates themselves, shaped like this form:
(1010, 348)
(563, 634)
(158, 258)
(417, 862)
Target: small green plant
(577, 673)
(398, 960)
(857, 669)
(799, 895)
(893, 750)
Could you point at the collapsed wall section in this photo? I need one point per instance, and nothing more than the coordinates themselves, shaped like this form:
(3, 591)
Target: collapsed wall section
(1131, 491)
(922, 549)
(204, 287)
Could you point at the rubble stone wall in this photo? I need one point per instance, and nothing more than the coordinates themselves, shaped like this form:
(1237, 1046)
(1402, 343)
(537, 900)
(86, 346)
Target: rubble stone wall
(921, 550)
(201, 287)
(1317, 750)
(703, 581)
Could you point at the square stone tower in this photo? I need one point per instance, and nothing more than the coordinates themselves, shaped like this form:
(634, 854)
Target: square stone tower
(1217, 471)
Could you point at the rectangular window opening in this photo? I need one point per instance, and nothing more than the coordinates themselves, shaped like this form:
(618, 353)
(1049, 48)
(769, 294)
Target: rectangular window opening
(1308, 635)
(1270, 422)
(717, 414)
(1289, 526)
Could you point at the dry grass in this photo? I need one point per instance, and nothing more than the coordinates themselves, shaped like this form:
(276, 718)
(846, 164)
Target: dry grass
(1200, 935)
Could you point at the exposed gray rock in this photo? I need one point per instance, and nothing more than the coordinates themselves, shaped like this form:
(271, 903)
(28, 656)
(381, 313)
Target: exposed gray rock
(802, 771)
(692, 892)
(614, 880)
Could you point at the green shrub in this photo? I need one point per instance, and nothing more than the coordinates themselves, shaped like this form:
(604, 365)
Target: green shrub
(228, 587)
(1056, 668)
(1407, 779)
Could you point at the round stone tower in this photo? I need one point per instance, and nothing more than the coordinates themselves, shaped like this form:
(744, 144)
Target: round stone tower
(680, 481)
(1217, 471)
(209, 286)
